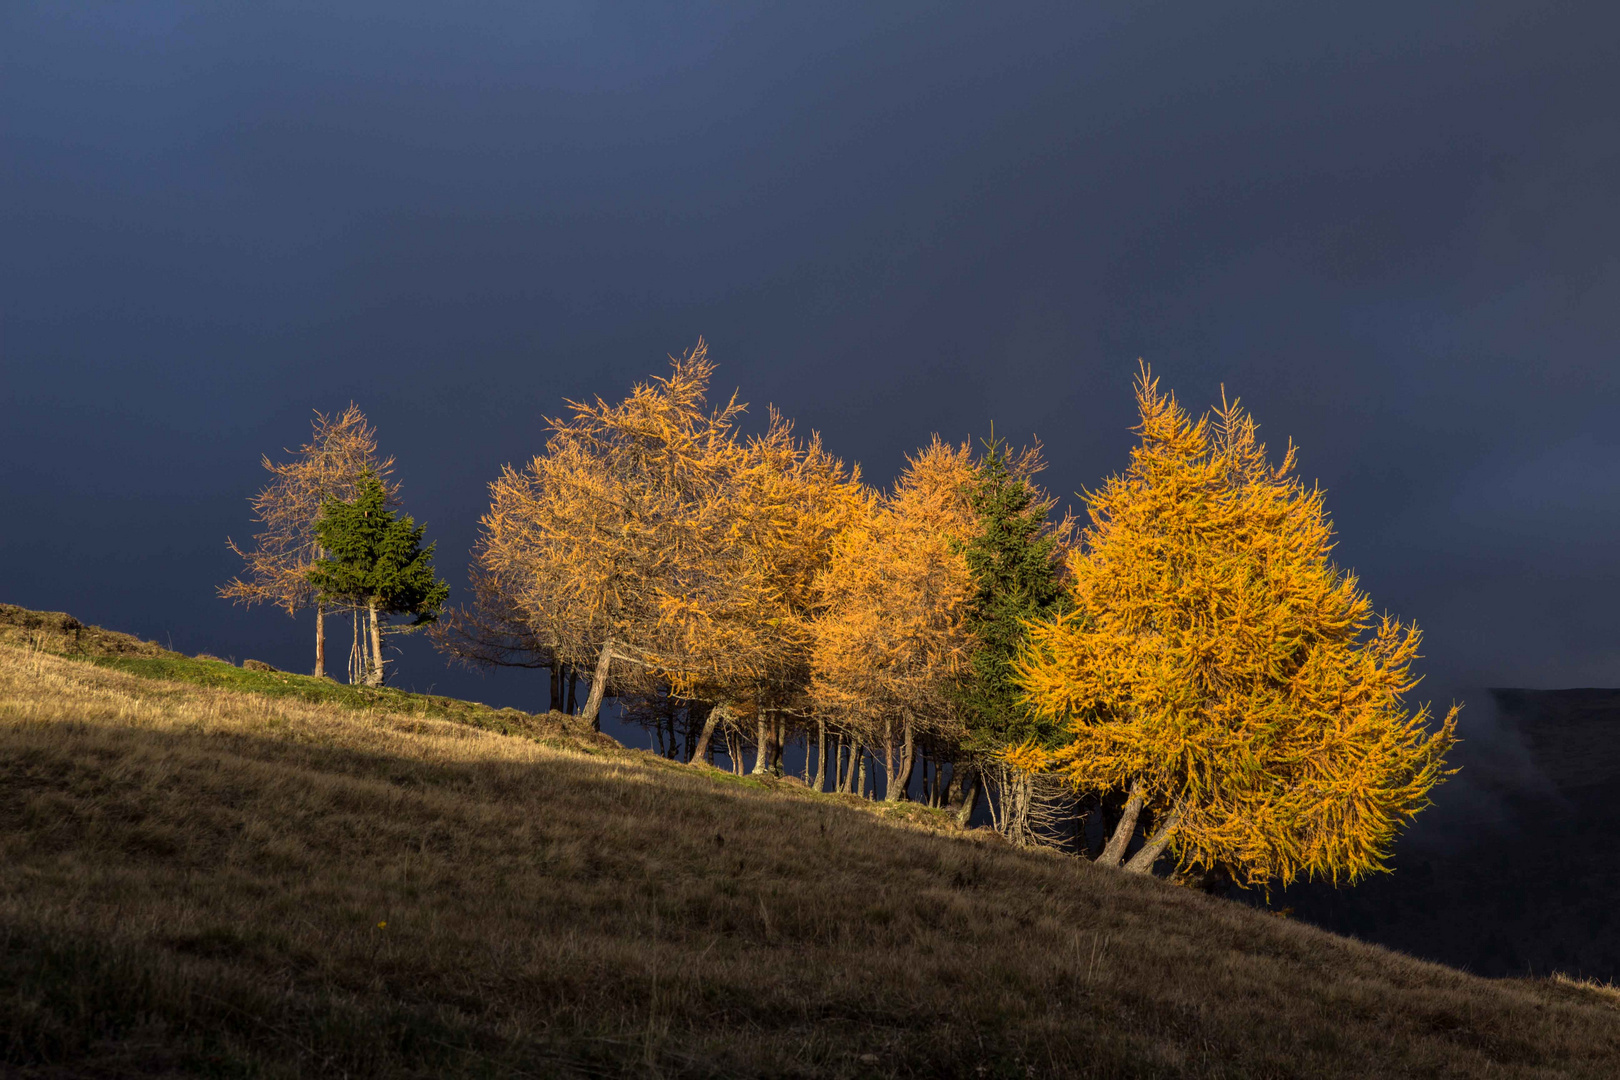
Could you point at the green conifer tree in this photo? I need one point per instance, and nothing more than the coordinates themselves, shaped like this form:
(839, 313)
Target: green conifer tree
(1016, 559)
(376, 561)
(1017, 564)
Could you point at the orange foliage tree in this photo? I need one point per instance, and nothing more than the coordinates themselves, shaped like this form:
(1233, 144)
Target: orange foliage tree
(1221, 669)
(341, 449)
(755, 595)
(651, 533)
(892, 634)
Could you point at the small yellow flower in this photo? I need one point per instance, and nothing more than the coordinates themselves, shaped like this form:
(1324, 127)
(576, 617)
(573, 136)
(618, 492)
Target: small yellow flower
(382, 925)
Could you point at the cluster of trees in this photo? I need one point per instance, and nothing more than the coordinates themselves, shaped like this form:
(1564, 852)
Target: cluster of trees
(1187, 673)
(331, 538)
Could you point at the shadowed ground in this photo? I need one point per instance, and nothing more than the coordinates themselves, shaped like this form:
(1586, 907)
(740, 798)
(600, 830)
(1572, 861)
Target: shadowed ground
(195, 879)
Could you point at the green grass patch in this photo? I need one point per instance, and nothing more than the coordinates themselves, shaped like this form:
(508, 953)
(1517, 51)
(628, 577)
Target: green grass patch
(225, 676)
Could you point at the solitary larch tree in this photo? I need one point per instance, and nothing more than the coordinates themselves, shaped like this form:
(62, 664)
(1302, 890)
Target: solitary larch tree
(1216, 665)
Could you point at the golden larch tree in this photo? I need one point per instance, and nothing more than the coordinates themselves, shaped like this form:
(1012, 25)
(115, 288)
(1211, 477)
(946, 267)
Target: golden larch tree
(1222, 670)
(586, 540)
(892, 633)
(754, 596)
(651, 533)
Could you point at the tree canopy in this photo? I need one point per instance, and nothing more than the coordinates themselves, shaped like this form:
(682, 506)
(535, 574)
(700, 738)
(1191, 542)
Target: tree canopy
(893, 635)
(1015, 556)
(375, 560)
(341, 449)
(1218, 665)
(652, 532)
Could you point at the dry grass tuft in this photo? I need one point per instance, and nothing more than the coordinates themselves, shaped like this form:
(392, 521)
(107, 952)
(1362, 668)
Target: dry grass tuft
(59, 632)
(1605, 991)
(194, 879)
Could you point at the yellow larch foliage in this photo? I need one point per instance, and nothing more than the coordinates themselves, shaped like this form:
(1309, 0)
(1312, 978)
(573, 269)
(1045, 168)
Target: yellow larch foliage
(329, 466)
(1219, 663)
(892, 633)
(651, 530)
(736, 621)
(587, 538)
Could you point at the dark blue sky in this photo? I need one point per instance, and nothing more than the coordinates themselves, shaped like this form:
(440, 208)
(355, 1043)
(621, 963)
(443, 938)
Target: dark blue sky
(1391, 228)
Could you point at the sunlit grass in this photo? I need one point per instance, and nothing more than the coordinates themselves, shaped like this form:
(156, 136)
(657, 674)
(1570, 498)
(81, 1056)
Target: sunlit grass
(199, 879)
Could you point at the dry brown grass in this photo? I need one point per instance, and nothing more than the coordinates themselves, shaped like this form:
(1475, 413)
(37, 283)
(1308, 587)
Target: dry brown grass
(59, 632)
(195, 880)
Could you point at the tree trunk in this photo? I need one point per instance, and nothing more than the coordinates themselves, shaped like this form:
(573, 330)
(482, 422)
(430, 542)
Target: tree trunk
(320, 641)
(1142, 862)
(555, 701)
(908, 757)
(593, 704)
(891, 773)
(860, 787)
(762, 757)
(356, 665)
(953, 786)
(375, 677)
(1115, 851)
(970, 797)
(716, 714)
(821, 754)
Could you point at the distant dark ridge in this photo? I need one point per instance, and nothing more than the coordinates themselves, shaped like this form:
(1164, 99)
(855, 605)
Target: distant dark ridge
(1573, 735)
(1534, 893)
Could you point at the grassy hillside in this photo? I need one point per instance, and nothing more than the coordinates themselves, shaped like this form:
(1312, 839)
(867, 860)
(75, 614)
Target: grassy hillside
(231, 879)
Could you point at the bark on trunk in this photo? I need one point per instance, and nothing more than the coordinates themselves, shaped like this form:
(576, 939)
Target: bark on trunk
(376, 676)
(821, 754)
(860, 788)
(891, 774)
(1115, 851)
(1142, 862)
(320, 642)
(593, 704)
(716, 714)
(762, 756)
(908, 758)
(357, 666)
(970, 798)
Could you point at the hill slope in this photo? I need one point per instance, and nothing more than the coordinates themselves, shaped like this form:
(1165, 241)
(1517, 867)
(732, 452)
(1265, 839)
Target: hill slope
(200, 880)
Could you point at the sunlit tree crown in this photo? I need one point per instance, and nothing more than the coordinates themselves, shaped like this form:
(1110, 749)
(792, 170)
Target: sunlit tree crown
(1215, 654)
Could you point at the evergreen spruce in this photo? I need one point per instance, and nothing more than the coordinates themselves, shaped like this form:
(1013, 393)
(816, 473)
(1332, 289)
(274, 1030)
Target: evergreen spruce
(1017, 564)
(376, 562)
